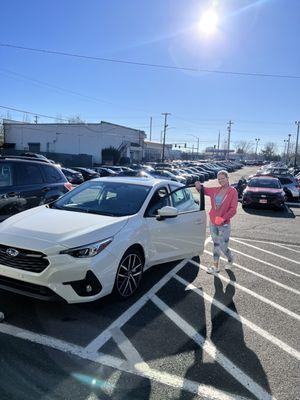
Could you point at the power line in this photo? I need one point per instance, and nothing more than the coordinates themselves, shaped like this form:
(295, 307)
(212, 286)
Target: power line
(151, 65)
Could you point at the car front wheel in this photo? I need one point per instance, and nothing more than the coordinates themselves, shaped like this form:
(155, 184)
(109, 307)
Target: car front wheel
(129, 274)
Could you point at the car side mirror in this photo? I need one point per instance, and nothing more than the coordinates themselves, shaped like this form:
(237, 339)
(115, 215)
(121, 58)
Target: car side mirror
(166, 212)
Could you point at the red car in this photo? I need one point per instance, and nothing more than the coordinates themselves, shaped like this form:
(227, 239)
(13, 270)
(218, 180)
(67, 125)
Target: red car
(264, 191)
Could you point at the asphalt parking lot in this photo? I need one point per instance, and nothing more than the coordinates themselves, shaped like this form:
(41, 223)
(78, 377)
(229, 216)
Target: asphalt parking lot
(187, 335)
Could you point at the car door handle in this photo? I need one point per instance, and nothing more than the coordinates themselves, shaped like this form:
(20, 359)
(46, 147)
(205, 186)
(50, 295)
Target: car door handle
(198, 222)
(46, 189)
(10, 194)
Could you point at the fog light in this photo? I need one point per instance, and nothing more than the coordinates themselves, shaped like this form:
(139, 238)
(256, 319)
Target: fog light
(88, 288)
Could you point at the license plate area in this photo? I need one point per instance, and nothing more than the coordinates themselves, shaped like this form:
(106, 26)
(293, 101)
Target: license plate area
(263, 201)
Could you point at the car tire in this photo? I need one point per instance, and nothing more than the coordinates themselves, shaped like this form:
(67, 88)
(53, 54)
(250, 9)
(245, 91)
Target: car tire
(129, 274)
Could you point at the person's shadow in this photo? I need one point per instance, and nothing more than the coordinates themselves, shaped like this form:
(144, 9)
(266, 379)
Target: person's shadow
(228, 336)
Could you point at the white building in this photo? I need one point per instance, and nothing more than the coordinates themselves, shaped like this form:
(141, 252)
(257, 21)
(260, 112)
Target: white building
(78, 138)
(153, 151)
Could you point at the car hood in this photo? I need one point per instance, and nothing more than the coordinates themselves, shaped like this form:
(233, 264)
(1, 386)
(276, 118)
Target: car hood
(261, 189)
(43, 228)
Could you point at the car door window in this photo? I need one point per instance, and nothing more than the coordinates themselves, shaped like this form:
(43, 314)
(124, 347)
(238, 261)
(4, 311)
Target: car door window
(6, 175)
(29, 174)
(159, 199)
(183, 200)
(51, 174)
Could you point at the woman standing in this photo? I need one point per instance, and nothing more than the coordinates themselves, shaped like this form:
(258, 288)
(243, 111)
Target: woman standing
(224, 201)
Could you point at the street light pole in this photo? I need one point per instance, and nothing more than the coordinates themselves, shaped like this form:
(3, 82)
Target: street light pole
(164, 137)
(229, 133)
(297, 140)
(288, 148)
(257, 140)
(285, 143)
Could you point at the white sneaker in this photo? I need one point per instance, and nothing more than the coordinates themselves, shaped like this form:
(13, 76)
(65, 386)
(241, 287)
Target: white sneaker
(230, 261)
(212, 270)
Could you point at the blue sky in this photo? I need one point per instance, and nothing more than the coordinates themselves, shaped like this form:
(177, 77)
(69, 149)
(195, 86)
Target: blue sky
(252, 36)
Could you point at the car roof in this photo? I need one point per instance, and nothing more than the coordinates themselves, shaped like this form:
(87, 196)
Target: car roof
(26, 160)
(139, 181)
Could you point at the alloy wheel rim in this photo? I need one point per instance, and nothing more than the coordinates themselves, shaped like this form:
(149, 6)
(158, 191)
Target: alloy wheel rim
(129, 275)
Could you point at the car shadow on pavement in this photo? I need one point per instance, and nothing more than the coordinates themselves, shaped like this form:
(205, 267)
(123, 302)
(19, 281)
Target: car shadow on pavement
(228, 336)
(287, 213)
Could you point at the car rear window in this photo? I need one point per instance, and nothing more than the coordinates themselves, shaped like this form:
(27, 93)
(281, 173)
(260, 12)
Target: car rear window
(265, 183)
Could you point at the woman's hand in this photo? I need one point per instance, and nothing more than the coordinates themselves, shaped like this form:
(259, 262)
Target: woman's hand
(198, 186)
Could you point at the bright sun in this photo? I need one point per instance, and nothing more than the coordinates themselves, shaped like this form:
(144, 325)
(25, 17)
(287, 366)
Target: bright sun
(208, 22)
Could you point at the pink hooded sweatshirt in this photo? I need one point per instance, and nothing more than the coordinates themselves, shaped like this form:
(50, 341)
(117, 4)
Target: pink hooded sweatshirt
(228, 206)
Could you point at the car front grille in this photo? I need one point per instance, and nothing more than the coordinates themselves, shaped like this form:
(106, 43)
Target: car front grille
(26, 260)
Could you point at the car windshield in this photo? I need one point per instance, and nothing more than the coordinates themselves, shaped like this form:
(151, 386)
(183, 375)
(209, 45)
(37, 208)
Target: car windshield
(115, 199)
(265, 183)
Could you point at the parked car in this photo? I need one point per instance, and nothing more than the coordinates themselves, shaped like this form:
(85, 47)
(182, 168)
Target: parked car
(100, 238)
(87, 173)
(73, 177)
(28, 183)
(264, 191)
(103, 171)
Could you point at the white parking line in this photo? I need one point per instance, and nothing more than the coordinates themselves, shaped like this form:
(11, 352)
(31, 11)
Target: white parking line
(287, 248)
(254, 294)
(266, 278)
(211, 349)
(265, 262)
(266, 251)
(140, 369)
(127, 348)
(262, 332)
(100, 340)
(265, 241)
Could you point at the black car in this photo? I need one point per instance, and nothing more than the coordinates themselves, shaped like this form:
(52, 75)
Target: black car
(87, 173)
(73, 177)
(103, 171)
(28, 183)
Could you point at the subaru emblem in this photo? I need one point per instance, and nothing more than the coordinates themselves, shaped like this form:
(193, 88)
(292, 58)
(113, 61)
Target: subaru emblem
(12, 252)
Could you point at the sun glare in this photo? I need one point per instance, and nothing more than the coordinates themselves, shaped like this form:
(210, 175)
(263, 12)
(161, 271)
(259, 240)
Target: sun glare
(208, 22)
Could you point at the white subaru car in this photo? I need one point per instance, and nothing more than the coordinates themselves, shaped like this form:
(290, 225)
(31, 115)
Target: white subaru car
(100, 238)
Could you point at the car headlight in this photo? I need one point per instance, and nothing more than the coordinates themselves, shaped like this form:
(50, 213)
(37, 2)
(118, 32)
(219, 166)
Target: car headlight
(88, 250)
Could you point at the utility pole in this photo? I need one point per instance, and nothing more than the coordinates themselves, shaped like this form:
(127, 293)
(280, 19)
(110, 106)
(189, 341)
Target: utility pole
(36, 119)
(288, 148)
(164, 137)
(228, 142)
(297, 140)
(257, 140)
(198, 148)
(150, 128)
(285, 143)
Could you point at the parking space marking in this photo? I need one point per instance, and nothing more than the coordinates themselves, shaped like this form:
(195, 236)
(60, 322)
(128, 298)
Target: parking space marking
(265, 241)
(139, 369)
(266, 278)
(287, 248)
(104, 336)
(251, 293)
(266, 251)
(265, 262)
(260, 331)
(211, 349)
(130, 352)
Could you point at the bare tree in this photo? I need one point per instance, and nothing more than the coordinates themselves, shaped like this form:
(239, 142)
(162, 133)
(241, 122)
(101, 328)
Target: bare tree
(244, 146)
(270, 151)
(75, 119)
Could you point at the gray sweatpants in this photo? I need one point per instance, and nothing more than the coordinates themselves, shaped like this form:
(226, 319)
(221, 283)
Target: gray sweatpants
(220, 236)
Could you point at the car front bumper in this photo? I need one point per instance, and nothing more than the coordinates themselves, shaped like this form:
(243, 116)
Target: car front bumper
(65, 278)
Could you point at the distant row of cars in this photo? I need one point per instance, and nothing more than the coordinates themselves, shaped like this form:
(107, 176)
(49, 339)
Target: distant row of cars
(271, 186)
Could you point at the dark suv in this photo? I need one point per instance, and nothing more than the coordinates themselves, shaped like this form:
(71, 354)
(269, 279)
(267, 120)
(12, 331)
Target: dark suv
(28, 183)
